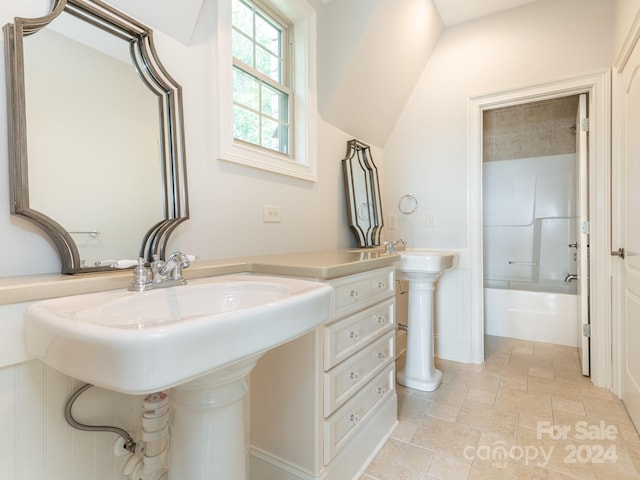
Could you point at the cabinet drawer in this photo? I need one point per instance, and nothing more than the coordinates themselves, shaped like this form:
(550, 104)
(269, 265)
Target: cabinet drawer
(344, 380)
(346, 421)
(343, 338)
(359, 291)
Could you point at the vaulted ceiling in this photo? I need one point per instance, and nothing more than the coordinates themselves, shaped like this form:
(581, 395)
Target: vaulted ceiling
(371, 54)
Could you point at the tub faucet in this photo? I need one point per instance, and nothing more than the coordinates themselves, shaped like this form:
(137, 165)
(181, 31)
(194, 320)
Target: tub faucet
(390, 247)
(570, 277)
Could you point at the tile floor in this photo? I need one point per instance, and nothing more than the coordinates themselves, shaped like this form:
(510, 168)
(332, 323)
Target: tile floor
(527, 413)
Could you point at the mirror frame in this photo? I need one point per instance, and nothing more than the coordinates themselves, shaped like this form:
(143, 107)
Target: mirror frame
(359, 161)
(171, 119)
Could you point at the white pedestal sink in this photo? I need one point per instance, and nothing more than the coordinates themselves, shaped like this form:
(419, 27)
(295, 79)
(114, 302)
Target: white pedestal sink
(421, 267)
(200, 340)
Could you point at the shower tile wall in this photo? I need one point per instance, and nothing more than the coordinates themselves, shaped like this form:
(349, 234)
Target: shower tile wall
(532, 130)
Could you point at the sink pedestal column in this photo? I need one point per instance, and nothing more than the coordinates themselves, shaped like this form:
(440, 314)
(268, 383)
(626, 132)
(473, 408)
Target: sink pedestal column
(207, 432)
(419, 371)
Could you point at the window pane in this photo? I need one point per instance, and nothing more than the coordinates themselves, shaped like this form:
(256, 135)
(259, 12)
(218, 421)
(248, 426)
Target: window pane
(242, 17)
(268, 35)
(270, 137)
(268, 64)
(246, 90)
(246, 125)
(275, 136)
(275, 103)
(242, 48)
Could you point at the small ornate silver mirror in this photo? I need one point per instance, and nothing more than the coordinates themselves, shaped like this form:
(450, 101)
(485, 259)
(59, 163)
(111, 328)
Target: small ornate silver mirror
(362, 189)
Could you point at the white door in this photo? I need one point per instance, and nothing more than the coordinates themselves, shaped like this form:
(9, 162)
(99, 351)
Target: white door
(630, 236)
(582, 235)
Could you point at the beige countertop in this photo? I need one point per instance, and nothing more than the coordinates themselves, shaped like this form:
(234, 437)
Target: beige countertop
(321, 265)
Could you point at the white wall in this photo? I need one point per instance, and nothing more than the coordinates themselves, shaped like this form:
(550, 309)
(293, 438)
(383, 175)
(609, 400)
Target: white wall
(426, 154)
(373, 55)
(226, 200)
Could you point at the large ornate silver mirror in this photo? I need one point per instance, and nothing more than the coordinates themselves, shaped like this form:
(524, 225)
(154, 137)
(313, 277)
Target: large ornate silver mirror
(96, 140)
(364, 205)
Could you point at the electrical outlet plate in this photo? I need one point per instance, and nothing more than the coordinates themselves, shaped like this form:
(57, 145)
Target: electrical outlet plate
(272, 214)
(431, 218)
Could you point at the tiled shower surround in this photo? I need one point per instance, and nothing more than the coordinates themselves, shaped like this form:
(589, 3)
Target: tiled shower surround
(530, 130)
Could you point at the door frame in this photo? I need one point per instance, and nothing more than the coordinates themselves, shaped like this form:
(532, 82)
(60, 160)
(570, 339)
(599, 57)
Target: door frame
(598, 86)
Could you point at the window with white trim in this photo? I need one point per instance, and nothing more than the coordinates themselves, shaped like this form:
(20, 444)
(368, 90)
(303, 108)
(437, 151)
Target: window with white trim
(267, 97)
(261, 95)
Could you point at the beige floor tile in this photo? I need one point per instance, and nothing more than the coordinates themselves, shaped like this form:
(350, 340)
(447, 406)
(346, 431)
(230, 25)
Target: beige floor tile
(447, 468)
(450, 394)
(507, 471)
(633, 450)
(404, 431)
(481, 396)
(444, 411)
(608, 409)
(544, 372)
(560, 476)
(529, 403)
(515, 382)
(557, 387)
(531, 421)
(566, 405)
(553, 454)
(587, 389)
(478, 381)
(546, 350)
(411, 408)
(629, 432)
(621, 468)
(445, 437)
(492, 422)
(488, 418)
(400, 461)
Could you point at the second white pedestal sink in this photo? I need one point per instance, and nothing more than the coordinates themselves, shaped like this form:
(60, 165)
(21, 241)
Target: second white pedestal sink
(201, 340)
(421, 267)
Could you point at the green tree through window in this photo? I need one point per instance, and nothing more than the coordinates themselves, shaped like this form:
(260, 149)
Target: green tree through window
(261, 96)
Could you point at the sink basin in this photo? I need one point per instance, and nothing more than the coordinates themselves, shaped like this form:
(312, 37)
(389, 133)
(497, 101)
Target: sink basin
(142, 342)
(422, 267)
(428, 261)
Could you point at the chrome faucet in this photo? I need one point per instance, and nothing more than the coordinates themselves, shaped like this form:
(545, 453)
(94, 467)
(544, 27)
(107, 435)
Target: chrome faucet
(163, 273)
(570, 277)
(390, 247)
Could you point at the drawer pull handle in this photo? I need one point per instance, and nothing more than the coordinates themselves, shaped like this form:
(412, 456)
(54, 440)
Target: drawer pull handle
(353, 418)
(381, 355)
(354, 375)
(381, 391)
(381, 284)
(354, 335)
(380, 319)
(353, 293)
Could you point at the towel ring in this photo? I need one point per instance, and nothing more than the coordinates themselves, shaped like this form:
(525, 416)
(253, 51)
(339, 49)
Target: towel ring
(407, 204)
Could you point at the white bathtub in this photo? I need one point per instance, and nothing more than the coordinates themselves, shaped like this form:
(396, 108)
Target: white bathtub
(549, 317)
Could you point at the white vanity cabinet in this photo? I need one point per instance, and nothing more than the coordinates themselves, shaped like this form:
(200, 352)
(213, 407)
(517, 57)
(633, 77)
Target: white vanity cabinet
(322, 405)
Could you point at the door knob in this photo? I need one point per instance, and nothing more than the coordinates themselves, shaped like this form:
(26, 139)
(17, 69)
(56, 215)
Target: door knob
(618, 253)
